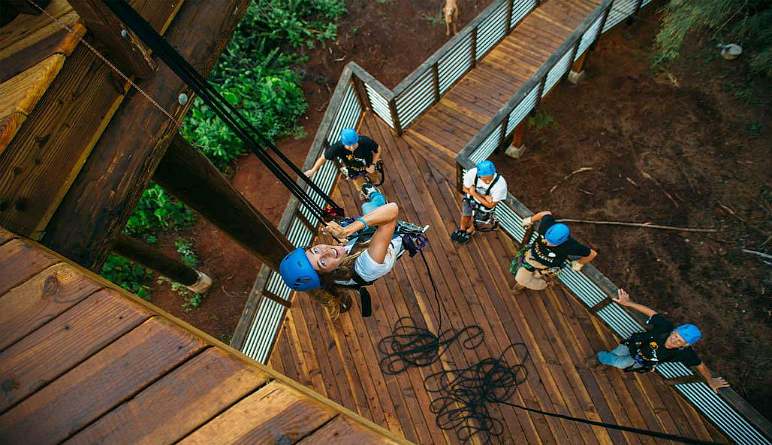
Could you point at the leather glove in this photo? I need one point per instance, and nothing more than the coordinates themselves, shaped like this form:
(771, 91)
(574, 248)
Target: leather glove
(526, 221)
(576, 265)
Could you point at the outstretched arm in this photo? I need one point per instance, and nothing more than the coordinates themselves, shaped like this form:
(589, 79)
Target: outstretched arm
(715, 383)
(384, 217)
(318, 164)
(535, 218)
(624, 299)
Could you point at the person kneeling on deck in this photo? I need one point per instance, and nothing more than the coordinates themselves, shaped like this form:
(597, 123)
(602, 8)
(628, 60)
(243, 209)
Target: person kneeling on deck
(662, 343)
(483, 189)
(543, 259)
(328, 272)
(357, 156)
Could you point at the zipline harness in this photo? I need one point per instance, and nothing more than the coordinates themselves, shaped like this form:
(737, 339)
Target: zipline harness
(248, 134)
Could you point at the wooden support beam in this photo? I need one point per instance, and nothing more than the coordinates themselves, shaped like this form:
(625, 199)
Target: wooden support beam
(123, 47)
(25, 7)
(152, 258)
(192, 178)
(103, 195)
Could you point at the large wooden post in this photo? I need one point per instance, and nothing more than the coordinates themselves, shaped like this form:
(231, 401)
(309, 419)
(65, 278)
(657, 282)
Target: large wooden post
(517, 147)
(171, 268)
(576, 72)
(124, 47)
(188, 175)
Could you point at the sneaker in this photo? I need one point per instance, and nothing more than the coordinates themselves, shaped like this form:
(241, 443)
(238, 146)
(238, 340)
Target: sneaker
(464, 237)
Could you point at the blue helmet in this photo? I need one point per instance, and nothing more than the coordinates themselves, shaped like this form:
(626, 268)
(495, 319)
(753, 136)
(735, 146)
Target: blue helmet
(485, 168)
(690, 333)
(297, 271)
(557, 234)
(349, 137)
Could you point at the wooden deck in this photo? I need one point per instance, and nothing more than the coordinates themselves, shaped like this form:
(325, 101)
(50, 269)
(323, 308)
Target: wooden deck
(470, 104)
(84, 362)
(340, 359)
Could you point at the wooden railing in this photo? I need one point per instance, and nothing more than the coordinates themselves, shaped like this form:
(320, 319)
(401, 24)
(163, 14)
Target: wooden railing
(425, 86)
(727, 410)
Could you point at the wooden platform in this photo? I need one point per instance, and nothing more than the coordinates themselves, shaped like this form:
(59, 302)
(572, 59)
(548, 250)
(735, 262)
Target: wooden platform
(473, 101)
(84, 362)
(340, 360)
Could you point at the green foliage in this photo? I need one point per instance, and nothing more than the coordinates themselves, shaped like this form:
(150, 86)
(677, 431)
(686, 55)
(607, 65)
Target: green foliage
(128, 274)
(157, 210)
(187, 255)
(256, 77)
(748, 22)
(540, 120)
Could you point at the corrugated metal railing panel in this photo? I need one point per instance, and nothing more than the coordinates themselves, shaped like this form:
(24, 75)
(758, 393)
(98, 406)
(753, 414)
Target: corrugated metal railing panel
(619, 320)
(380, 105)
(557, 72)
(583, 287)
(416, 99)
(348, 114)
(491, 30)
(522, 109)
(521, 8)
(488, 146)
(454, 64)
(588, 37)
(511, 222)
(721, 414)
(620, 10)
(265, 326)
(673, 369)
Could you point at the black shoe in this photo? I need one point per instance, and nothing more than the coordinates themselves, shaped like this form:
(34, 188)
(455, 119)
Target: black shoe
(455, 234)
(464, 237)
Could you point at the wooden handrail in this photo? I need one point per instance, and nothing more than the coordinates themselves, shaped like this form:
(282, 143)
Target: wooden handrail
(539, 77)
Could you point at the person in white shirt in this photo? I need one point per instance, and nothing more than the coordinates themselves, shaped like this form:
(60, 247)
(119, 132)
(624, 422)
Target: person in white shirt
(483, 189)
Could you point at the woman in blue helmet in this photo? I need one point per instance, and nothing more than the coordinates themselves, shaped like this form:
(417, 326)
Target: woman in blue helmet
(549, 253)
(330, 272)
(662, 342)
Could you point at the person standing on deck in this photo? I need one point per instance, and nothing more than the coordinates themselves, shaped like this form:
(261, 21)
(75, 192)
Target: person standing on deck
(357, 156)
(549, 253)
(662, 343)
(483, 189)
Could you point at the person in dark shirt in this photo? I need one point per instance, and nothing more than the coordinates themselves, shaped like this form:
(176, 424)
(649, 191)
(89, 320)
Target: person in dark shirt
(550, 252)
(663, 342)
(356, 155)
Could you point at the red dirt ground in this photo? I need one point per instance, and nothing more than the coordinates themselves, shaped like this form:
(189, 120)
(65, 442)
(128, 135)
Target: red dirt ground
(693, 130)
(378, 36)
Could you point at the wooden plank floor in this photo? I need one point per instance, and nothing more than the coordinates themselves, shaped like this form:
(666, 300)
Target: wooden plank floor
(84, 362)
(340, 359)
(471, 103)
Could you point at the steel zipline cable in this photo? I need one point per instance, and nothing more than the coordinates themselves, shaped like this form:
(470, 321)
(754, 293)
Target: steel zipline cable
(240, 125)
